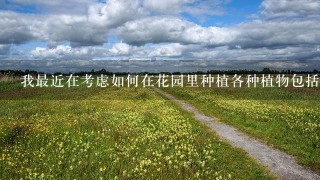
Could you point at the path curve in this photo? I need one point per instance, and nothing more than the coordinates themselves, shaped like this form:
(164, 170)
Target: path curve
(279, 163)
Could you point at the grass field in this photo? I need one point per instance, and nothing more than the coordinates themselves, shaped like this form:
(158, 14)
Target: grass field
(110, 133)
(286, 118)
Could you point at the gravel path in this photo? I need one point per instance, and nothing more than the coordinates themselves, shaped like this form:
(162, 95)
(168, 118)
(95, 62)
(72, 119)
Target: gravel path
(279, 163)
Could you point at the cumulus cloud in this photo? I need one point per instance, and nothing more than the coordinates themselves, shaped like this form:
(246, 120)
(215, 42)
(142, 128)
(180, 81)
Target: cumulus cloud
(170, 29)
(14, 29)
(196, 8)
(290, 8)
(76, 30)
(166, 6)
(17, 29)
(149, 28)
(115, 12)
(121, 49)
(61, 52)
(66, 52)
(169, 50)
(89, 29)
(277, 34)
(93, 28)
(201, 9)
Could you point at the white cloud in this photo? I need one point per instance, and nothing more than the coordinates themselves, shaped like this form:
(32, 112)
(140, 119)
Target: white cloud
(196, 8)
(19, 29)
(80, 30)
(14, 29)
(166, 29)
(61, 52)
(121, 49)
(289, 29)
(174, 51)
(77, 30)
(169, 50)
(206, 8)
(115, 12)
(166, 6)
(289, 8)
(277, 33)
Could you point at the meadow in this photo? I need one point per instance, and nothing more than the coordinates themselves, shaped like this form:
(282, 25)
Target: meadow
(285, 118)
(110, 133)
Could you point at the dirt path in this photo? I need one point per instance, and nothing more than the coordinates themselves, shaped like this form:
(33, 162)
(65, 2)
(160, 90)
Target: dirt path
(279, 163)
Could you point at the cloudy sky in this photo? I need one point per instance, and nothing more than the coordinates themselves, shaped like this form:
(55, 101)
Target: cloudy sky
(160, 29)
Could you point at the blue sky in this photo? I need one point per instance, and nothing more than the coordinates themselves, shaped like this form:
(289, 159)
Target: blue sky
(167, 29)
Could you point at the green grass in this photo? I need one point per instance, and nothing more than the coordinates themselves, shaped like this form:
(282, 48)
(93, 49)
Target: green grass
(110, 133)
(287, 118)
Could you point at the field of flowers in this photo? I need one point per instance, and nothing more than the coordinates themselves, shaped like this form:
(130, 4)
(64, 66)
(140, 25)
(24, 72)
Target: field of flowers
(285, 118)
(125, 133)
